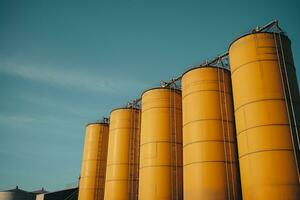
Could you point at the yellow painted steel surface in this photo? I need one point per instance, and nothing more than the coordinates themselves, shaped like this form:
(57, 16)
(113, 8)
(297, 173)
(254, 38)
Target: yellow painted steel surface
(210, 164)
(161, 145)
(266, 153)
(122, 159)
(91, 186)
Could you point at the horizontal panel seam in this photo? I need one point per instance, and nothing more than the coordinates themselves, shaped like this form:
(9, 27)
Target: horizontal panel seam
(199, 91)
(167, 107)
(212, 161)
(262, 151)
(178, 143)
(205, 141)
(171, 166)
(199, 120)
(119, 180)
(253, 127)
(258, 60)
(116, 164)
(269, 99)
(91, 176)
(253, 61)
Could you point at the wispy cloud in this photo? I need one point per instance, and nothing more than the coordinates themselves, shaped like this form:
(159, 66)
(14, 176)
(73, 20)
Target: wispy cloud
(12, 119)
(71, 78)
(53, 103)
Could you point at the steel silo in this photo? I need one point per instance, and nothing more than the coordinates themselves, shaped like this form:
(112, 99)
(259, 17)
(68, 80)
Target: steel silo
(161, 145)
(210, 164)
(123, 155)
(93, 168)
(266, 103)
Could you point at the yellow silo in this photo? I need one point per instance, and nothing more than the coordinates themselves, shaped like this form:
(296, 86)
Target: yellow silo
(261, 67)
(210, 164)
(161, 145)
(123, 155)
(93, 168)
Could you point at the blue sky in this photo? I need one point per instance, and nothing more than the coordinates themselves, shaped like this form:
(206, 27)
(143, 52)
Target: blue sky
(66, 63)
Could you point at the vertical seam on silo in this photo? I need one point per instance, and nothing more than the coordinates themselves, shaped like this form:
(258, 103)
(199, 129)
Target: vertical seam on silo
(227, 126)
(138, 155)
(289, 91)
(129, 156)
(284, 92)
(224, 144)
(171, 144)
(175, 144)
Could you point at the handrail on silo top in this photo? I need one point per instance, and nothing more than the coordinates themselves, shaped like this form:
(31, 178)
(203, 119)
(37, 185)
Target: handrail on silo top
(217, 59)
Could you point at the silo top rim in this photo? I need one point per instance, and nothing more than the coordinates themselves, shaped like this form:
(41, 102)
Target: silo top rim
(17, 189)
(123, 108)
(163, 88)
(103, 123)
(247, 34)
(198, 67)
